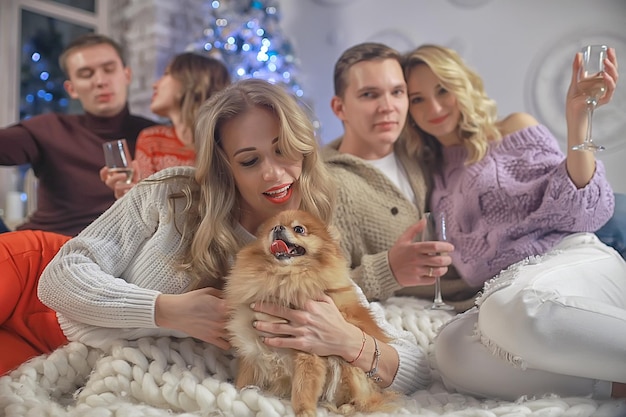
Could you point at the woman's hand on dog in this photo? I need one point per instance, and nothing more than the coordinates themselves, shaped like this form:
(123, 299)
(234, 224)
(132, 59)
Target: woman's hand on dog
(418, 263)
(200, 313)
(317, 328)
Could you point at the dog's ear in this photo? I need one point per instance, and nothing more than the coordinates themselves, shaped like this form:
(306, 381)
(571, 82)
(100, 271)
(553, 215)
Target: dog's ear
(334, 232)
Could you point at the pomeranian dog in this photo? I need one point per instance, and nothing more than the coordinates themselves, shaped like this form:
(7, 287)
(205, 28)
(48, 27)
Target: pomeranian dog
(297, 258)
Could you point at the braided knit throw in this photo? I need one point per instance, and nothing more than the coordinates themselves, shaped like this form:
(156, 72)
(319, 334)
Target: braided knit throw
(184, 377)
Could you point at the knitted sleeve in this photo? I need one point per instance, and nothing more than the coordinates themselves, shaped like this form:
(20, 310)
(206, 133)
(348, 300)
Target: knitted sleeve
(96, 278)
(516, 202)
(364, 243)
(531, 163)
(414, 367)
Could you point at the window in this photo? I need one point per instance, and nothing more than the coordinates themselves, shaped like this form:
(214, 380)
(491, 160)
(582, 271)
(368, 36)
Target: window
(87, 5)
(42, 39)
(36, 33)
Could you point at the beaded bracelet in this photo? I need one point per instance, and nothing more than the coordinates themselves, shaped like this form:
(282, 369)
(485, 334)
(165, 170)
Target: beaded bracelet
(362, 346)
(373, 373)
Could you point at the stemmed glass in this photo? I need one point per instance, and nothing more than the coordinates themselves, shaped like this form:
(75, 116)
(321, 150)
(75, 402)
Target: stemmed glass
(117, 158)
(591, 83)
(435, 229)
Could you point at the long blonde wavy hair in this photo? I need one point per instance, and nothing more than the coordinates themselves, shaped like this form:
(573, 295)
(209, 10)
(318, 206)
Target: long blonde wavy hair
(479, 113)
(212, 199)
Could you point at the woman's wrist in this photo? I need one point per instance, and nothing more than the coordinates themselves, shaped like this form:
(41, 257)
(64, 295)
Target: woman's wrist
(358, 355)
(364, 359)
(378, 360)
(373, 372)
(354, 345)
(162, 308)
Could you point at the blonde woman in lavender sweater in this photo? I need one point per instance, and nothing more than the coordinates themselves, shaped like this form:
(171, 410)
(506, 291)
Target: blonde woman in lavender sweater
(553, 320)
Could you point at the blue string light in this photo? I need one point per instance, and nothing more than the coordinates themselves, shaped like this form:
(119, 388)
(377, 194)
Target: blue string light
(246, 35)
(41, 80)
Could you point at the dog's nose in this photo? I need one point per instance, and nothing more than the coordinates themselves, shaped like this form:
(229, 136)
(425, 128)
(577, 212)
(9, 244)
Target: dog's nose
(279, 228)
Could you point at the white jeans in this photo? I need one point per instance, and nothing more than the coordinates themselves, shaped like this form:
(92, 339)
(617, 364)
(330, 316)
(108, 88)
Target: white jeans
(553, 324)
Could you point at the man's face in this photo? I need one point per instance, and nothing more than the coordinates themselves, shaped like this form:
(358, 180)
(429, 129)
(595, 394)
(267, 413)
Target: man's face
(98, 79)
(373, 108)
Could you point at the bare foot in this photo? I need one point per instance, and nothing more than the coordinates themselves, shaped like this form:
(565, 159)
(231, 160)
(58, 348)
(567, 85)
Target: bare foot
(619, 390)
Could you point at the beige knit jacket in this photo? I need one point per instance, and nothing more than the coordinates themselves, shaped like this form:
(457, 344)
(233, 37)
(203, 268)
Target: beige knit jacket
(371, 214)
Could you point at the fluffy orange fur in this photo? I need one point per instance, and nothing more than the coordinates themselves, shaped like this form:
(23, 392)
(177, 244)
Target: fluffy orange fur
(308, 263)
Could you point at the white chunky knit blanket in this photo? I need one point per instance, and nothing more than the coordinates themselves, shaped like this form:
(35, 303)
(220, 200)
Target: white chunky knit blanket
(183, 377)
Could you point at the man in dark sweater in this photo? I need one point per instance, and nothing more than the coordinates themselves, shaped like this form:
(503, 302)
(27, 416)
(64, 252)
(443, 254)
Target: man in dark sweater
(65, 151)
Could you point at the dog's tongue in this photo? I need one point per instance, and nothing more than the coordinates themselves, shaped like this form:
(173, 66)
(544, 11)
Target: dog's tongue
(278, 246)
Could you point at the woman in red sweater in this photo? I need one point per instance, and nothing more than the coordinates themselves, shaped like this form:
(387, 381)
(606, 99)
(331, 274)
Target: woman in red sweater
(188, 81)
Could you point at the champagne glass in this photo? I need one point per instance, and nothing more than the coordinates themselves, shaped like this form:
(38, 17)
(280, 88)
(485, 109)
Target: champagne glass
(117, 158)
(435, 229)
(591, 83)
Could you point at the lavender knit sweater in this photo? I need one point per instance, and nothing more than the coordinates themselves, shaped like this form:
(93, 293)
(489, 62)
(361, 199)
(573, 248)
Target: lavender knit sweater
(516, 202)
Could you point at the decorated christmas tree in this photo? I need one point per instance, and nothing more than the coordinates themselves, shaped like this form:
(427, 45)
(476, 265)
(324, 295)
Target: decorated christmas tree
(41, 78)
(246, 35)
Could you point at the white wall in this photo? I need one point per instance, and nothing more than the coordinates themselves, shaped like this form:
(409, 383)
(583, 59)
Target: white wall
(522, 48)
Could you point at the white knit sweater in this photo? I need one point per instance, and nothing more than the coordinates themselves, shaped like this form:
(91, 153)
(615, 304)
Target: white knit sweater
(104, 282)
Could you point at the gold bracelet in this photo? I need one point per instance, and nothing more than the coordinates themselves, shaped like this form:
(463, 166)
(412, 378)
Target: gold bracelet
(373, 373)
(362, 346)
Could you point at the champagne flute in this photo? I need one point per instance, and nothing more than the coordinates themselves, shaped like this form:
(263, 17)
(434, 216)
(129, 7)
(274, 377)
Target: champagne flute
(435, 229)
(591, 83)
(117, 158)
